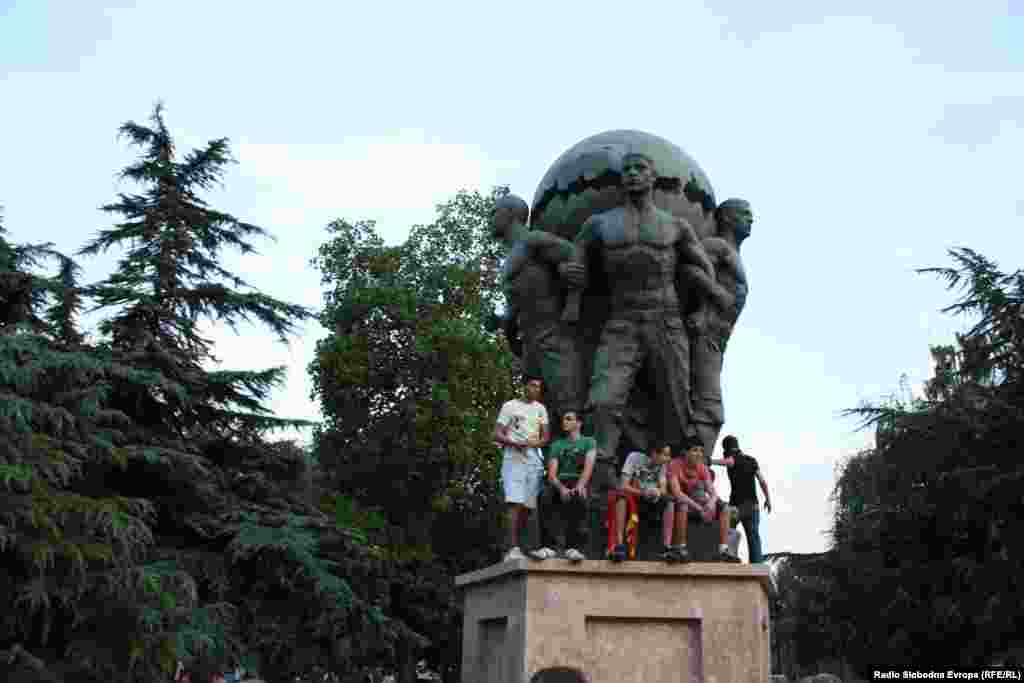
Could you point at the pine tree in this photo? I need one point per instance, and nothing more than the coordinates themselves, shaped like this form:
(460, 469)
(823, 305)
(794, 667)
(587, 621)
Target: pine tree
(23, 291)
(144, 519)
(62, 315)
(251, 540)
(170, 278)
(927, 529)
(69, 550)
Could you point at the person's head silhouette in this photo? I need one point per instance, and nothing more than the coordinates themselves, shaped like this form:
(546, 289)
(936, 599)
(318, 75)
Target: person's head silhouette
(560, 674)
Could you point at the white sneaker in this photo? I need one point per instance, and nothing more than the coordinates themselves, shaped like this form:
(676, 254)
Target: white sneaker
(514, 554)
(543, 554)
(574, 555)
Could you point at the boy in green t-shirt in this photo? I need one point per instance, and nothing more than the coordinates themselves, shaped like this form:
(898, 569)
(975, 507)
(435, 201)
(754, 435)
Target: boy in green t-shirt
(565, 498)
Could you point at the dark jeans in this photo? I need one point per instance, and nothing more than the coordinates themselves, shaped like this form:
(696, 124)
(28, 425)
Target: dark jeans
(750, 518)
(566, 520)
(652, 512)
(694, 516)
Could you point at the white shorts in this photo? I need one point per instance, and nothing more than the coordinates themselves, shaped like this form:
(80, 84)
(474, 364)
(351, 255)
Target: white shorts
(521, 481)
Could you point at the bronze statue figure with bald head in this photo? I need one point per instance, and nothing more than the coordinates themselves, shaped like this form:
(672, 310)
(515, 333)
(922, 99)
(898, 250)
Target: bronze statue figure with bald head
(642, 252)
(535, 296)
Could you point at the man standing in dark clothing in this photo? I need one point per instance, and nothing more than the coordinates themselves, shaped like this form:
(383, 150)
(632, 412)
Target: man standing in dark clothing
(742, 471)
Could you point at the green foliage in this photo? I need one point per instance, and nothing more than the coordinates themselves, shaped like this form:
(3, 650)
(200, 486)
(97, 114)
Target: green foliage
(23, 291)
(170, 277)
(298, 543)
(18, 472)
(409, 379)
(411, 363)
(927, 530)
(803, 629)
(145, 520)
(359, 522)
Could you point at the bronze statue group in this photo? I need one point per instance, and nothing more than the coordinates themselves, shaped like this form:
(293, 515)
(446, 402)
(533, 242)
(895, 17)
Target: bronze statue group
(665, 302)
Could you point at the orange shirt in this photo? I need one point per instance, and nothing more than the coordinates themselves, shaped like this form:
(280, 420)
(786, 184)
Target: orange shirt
(689, 476)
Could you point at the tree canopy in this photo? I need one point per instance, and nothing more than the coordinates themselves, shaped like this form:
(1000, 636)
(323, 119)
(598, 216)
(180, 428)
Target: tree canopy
(145, 517)
(927, 535)
(409, 379)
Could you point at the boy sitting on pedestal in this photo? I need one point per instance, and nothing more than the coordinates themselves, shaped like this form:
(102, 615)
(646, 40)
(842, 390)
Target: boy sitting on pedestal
(643, 491)
(564, 502)
(691, 486)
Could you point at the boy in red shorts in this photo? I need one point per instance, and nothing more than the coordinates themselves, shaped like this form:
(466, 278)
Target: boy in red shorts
(693, 490)
(642, 492)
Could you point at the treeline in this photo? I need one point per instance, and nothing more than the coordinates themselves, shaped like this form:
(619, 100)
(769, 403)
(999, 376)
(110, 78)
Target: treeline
(926, 564)
(148, 518)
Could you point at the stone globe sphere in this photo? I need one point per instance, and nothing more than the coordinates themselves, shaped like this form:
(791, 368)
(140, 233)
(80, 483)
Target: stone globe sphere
(584, 180)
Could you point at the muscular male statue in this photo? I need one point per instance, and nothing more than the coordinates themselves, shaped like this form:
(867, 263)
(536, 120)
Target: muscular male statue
(713, 322)
(535, 297)
(640, 249)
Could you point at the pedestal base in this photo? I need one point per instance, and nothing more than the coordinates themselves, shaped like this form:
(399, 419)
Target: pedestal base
(636, 621)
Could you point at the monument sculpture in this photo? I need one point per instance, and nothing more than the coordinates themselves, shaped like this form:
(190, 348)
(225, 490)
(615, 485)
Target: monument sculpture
(624, 283)
(628, 320)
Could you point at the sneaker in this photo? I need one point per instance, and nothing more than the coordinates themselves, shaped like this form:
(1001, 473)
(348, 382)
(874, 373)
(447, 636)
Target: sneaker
(726, 555)
(514, 554)
(619, 553)
(543, 554)
(676, 554)
(574, 555)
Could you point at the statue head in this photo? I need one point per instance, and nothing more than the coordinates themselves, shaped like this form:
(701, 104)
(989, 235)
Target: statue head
(508, 211)
(638, 173)
(735, 215)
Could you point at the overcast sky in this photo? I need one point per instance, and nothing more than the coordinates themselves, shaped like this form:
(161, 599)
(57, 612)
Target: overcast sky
(870, 137)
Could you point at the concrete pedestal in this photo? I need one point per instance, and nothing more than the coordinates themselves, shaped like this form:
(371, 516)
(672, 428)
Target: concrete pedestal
(632, 622)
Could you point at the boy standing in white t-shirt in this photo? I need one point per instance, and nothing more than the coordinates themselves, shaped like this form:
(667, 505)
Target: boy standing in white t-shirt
(522, 430)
